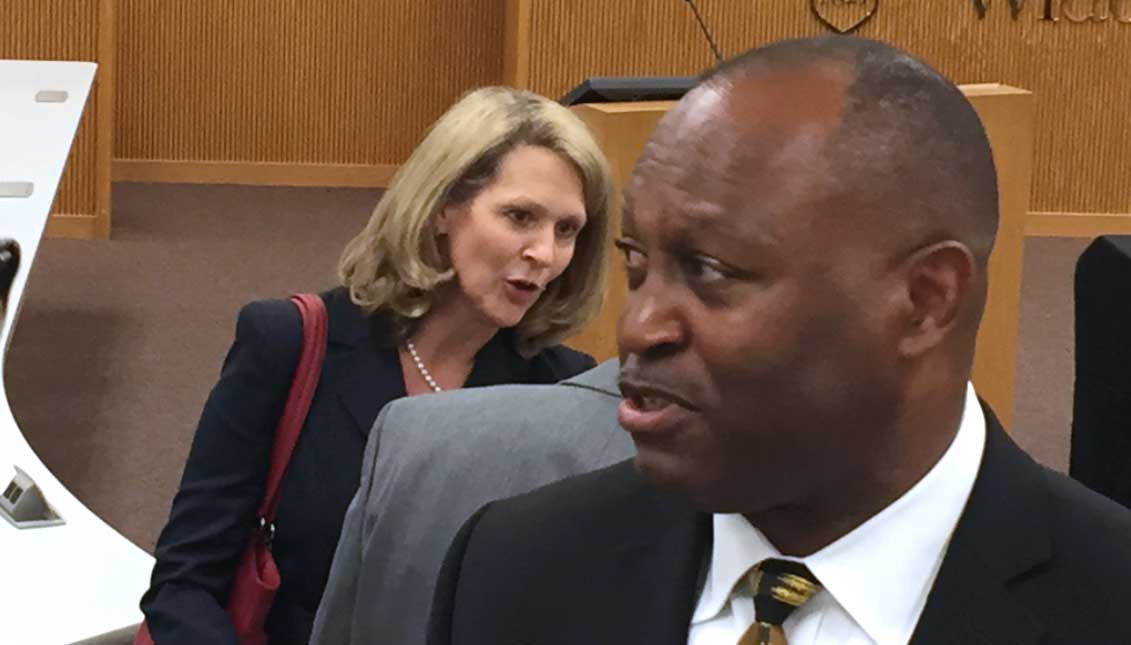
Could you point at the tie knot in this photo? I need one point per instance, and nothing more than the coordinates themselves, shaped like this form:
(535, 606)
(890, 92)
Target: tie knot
(779, 587)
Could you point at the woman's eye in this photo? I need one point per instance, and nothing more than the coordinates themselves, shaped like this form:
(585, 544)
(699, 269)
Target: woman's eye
(519, 215)
(568, 229)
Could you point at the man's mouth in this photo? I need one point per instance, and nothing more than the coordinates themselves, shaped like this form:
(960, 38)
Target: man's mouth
(649, 403)
(651, 398)
(646, 410)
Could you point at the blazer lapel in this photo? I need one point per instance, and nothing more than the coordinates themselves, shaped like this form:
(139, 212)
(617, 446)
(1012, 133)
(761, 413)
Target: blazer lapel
(366, 379)
(363, 372)
(968, 607)
(1003, 534)
(657, 578)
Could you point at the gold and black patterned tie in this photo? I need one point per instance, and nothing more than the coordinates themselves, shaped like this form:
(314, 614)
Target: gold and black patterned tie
(779, 587)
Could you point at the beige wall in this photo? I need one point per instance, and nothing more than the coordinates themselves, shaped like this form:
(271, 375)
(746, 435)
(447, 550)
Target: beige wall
(337, 93)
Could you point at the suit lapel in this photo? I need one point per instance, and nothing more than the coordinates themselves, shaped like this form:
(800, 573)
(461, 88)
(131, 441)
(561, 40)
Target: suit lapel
(657, 579)
(362, 372)
(366, 379)
(1003, 534)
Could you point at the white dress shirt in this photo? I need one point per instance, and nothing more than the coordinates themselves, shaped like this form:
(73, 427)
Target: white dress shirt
(875, 578)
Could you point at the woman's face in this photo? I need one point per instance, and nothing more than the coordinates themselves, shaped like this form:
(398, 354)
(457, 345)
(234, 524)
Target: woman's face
(517, 234)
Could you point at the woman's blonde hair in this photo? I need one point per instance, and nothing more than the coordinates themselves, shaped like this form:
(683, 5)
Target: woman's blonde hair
(394, 265)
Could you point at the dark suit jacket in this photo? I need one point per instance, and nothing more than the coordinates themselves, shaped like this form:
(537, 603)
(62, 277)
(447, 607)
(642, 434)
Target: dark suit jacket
(603, 558)
(223, 480)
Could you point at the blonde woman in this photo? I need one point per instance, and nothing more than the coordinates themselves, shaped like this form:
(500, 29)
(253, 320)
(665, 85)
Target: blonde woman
(487, 249)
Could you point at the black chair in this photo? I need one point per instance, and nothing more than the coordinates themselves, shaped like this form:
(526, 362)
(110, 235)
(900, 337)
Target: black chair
(9, 266)
(1101, 420)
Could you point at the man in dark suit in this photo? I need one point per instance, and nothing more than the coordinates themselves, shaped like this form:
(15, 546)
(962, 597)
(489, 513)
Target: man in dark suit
(806, 238)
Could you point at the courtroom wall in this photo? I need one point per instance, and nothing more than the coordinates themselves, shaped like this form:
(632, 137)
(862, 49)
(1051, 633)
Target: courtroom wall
(1080, 72)
(297, 82)
(354, 83)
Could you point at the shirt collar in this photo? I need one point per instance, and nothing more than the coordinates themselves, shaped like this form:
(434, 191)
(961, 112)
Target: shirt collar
(882, 571)
(736, 546)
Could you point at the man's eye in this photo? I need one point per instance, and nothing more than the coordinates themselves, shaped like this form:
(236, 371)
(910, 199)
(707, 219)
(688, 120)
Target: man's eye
(635, 263)
(703, 269)
(633, 258)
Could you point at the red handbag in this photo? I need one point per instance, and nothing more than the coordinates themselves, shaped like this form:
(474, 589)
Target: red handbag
(256, 577)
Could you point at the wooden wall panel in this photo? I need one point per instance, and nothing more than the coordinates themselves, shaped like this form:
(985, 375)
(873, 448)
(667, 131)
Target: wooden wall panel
(1080, 73)
(69, 30)
(303, 81)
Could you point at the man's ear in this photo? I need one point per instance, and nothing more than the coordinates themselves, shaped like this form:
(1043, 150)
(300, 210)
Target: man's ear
(938, 282)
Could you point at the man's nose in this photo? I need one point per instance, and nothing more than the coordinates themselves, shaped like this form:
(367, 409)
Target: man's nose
(650, 323)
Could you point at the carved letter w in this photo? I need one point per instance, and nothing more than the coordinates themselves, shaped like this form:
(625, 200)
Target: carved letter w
(1015, 7)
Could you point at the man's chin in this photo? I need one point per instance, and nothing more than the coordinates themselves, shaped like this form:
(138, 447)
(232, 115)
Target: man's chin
(684, 479)
(674, 476)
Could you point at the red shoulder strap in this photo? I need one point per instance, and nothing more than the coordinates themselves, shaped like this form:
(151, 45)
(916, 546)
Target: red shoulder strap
(313, 312)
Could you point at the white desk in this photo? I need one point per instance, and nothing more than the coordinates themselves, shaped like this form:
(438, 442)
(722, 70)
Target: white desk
(58, 584)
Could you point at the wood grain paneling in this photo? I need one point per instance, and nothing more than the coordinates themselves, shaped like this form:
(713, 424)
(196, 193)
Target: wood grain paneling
(351, 82)
(516, 50)
(72, 30)
(1080, 73)
(251, 173)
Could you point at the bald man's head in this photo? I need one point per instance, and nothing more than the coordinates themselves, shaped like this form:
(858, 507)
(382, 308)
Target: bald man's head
(805, 239)
(907, 143)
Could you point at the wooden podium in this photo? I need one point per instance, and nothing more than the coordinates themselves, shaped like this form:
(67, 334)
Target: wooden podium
(622, 129)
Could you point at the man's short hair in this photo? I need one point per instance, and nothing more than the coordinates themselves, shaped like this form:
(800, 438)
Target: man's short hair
(908, 139)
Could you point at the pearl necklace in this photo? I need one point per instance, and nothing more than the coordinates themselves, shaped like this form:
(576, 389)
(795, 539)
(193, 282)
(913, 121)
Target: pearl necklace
(420, 367)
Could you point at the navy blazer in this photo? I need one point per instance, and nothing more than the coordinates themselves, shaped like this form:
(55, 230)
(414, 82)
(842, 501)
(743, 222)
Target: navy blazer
(1036, 558)
(214, 510)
